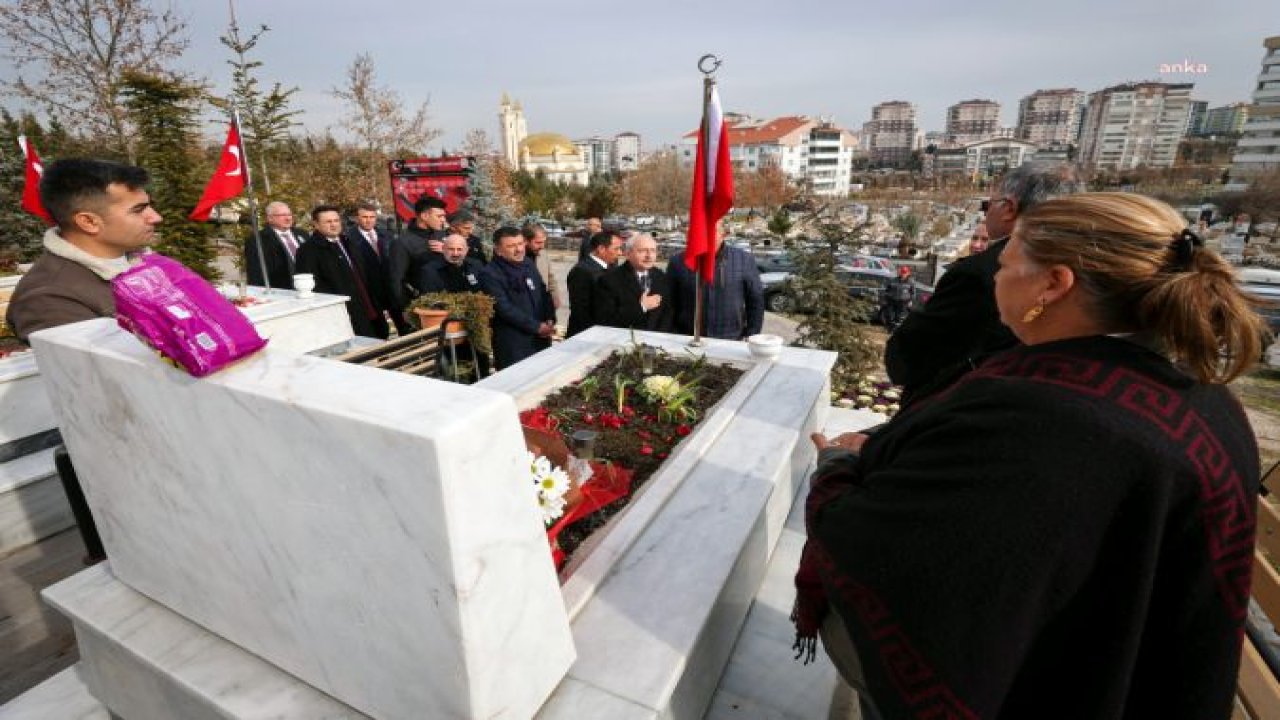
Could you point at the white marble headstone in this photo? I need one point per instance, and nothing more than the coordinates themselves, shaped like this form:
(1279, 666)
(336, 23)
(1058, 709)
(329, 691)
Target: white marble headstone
(369, 532)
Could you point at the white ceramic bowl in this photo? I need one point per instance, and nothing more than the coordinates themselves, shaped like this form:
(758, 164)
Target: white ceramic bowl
(765, 345)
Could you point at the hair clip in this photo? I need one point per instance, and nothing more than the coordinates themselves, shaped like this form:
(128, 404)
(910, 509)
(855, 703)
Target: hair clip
(1184, 246)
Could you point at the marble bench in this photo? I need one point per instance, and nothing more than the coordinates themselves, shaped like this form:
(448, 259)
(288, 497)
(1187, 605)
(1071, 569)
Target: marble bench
(64, 696)
(32, 503)
(762, 680)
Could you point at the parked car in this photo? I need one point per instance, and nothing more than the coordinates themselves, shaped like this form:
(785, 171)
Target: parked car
(1271, 294)
(863, 283)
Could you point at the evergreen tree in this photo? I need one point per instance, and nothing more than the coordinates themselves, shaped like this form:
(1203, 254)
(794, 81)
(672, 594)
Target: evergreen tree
(834, 323)
(23, 230)
(265, 116)
(166, 111)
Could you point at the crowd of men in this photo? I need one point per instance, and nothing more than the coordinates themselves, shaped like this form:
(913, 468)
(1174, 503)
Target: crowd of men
(615, 282)
(105, 220)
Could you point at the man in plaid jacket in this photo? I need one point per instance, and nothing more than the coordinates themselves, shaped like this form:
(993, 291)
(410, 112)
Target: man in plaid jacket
(732, 305)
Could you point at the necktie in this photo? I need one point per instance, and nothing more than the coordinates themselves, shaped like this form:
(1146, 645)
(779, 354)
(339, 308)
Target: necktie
(290, 243)
(369, 310)
(373, 242)
(644, 282)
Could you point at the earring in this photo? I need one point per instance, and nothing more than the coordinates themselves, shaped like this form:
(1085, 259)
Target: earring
(1034, 313)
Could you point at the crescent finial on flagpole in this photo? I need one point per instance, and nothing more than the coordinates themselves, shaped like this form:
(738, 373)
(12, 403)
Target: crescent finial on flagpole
(708, 64)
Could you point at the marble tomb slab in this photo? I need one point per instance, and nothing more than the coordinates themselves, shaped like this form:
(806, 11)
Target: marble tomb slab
(658, 600)
(360, 529)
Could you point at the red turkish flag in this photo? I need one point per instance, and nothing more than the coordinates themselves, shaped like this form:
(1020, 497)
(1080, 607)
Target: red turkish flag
(31, 187)
(228, 180)
(712, 191)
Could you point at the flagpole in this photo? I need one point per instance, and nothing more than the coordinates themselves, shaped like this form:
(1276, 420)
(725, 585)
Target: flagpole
(708, 81)
(253, 205)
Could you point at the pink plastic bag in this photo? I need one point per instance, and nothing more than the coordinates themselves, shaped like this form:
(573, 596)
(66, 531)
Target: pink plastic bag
(178, 313)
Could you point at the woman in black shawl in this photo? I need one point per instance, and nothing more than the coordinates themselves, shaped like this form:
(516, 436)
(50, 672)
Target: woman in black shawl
(1067, 530)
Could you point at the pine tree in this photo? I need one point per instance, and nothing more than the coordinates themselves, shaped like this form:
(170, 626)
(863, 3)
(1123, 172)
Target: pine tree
(166, 112)
(23, 230)
(265, 116)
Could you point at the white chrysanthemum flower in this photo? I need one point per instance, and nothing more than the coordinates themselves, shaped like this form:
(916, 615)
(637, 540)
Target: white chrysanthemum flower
(660, 387)
(891, 395)
(554, 483)
(845, 402)
(552, 508)
(878, 408)
(863, 400)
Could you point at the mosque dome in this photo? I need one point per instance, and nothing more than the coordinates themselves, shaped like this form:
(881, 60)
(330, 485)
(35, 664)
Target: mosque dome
(546, 144)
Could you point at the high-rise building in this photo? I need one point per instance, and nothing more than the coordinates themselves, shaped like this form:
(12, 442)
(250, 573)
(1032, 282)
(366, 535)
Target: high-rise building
(1195, 120)
(816, 152)
(970, 121)
(626, 152)
(1226, 120)
(892, 133)
(1050, 116)
(1135, 124)
(597, 153)
(1258, 149)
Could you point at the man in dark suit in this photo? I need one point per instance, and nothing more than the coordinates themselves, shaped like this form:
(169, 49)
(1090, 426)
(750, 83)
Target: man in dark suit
(606, 248)
(631, 295)
(593, 227)
(371, 249)
(455, 271)
(961, 324)
(463, 223)
(420, 244)
(336, 272)
(280, 242)
(524, 319)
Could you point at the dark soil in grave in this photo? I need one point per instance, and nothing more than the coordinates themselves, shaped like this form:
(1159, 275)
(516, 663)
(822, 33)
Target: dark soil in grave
(644, 437)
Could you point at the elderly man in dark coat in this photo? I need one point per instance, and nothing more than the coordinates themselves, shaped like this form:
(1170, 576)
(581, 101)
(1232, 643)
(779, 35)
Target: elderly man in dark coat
(523, 321)
(635, 294)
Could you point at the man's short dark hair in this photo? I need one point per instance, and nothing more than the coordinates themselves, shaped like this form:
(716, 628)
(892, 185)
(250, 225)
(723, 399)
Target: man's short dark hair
(317, 210)
(531, 230)
(75, 184)
(461, 216)
(426, 202)
(367, 206)
(602, 239)
(503, 232)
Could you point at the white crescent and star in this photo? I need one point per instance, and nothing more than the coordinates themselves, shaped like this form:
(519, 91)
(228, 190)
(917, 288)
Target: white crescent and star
(236, 152)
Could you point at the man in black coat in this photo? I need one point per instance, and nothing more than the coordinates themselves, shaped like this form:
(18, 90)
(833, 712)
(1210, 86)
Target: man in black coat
(593, 227)
(635, 294)
(371, 249)
(325, 257)
(420, 243)
(523, 321)
(606, 248)
(455, 271)
(961, 324)
(463, 223)
(280, 242)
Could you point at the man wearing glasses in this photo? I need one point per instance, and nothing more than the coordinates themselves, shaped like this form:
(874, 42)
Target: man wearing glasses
(960, 324)
(280, 242)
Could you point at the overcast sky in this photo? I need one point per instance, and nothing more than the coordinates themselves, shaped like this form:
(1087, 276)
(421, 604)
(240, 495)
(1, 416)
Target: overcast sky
(591, 67)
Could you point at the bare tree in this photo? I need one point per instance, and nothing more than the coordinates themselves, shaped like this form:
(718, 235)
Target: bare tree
(660, 185)
(80, 50)
(376, 116)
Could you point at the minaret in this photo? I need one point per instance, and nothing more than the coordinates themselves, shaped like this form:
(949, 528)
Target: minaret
(511, 129)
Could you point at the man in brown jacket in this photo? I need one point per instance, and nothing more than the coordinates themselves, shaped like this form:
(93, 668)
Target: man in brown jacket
(104, 218)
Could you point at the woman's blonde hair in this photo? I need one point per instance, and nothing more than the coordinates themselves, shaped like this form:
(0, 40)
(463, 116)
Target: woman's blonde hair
(1142, 272)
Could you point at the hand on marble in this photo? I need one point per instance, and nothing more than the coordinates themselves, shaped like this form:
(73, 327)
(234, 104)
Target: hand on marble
(850, 441)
